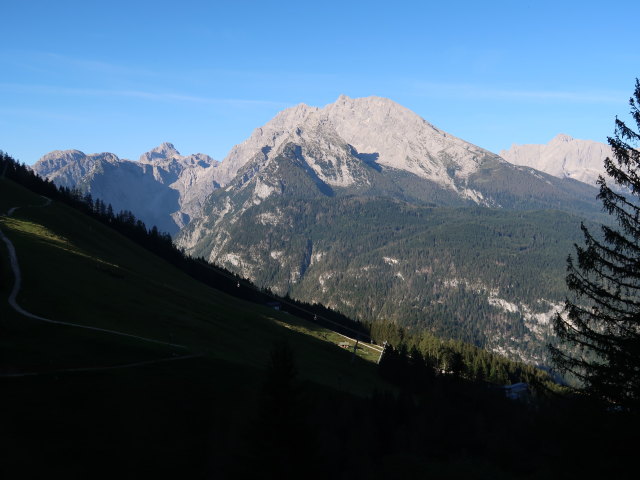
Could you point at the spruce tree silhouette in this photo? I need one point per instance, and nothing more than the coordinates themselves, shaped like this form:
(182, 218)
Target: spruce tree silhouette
(601, 327)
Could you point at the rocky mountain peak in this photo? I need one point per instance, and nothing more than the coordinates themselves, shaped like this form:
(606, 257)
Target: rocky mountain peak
(263, 139)
(563, 157)
(67, 167)
(561, 138)
(164, 151)
(62, 154)
(166, 148)
(402, 139)
(378, 127)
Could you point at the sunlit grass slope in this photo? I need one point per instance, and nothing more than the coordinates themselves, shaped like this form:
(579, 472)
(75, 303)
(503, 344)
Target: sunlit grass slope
(79, 271)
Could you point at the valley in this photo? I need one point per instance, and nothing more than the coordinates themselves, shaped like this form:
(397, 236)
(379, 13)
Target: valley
(93, 385)
(312, 203)
(125, 289)
(319, 240)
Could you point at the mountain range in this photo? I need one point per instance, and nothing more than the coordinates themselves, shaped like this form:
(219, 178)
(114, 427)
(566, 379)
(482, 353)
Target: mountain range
(163, 188)
(563, 157)
(367, 208)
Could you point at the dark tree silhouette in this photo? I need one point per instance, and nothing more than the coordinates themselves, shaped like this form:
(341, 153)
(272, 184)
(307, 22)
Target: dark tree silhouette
(601, 321)
(280, 387)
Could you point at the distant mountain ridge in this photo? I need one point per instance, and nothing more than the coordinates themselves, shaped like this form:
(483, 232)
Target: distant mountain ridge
(366, 207)
(359, 129)
(167, 189)
(162, 188)
(371, 146)
(563, 157)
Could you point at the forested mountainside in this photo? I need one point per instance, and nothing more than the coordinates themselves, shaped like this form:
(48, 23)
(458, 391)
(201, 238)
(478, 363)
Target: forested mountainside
(366, 207)
(379, 243)
(90, 229)
(489, 277)
(229, 399)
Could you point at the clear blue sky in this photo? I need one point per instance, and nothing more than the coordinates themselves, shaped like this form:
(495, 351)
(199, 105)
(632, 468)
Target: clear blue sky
(125, 76)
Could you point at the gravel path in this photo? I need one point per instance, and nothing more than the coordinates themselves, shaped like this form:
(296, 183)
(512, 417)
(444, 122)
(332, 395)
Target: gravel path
(15, 267)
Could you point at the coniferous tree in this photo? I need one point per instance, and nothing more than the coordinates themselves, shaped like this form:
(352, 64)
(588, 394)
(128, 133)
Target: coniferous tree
(601, 324)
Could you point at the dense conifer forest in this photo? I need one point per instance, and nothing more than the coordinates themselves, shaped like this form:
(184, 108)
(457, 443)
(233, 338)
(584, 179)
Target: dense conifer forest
(472, 274)
(443, 411)
(475, 363)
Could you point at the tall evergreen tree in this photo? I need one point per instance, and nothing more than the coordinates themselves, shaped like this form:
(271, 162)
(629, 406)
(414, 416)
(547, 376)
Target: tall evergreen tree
(601, 321)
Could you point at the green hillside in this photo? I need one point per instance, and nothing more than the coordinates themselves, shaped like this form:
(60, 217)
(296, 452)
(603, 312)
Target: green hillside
(77, 270)
(475, 274)
(394, 247)
(76, 394)
(211, 391)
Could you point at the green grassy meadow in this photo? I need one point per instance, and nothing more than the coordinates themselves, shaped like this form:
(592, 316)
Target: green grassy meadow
(69, 415)
(79, 412)
(79, 271)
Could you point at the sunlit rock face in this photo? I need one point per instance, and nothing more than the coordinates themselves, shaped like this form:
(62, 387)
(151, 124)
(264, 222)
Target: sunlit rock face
(563, 157)
(364, 206)
(374, 128)
(163, 188)
(362, 144)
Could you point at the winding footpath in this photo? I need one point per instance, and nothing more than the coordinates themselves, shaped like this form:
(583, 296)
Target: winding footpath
(15, 267)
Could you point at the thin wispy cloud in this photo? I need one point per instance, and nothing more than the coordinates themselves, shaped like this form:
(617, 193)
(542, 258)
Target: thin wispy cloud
(140, 94)
(37, 114)
(52, 63)
(480, 92)
(96, 66)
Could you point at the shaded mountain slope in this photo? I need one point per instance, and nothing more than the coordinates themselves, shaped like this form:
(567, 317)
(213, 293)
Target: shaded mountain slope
(79, 271)
(479, 254)
(163, 188)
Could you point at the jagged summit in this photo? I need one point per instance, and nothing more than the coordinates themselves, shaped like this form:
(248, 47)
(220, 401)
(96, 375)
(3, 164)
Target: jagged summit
(563, 157)
(268, 137)
(61, 153)
(163, 151)
(167, 156)
(369, 145)
(402, 139)
(376, 126)
(163, 188)
(67, 167)
(561, 138)
(74, 155)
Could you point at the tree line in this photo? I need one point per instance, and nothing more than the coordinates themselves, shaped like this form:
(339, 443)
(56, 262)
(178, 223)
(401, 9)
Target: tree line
(161, 244)
(475, 362)
(414, 360)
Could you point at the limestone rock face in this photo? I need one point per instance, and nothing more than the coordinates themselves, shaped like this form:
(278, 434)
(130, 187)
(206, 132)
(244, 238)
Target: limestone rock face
(266, 138)
(67, 168)
(563, 157)
(168, 189)
(402, 139)
(373, 127)
(367, 144)
(163, 188)
(364, 206)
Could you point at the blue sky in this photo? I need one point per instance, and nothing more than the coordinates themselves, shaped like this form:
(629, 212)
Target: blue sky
(125, 76)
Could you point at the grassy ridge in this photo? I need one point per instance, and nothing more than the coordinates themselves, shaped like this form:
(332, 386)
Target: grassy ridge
(167, 419)
(77, 270)
(214, 416)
